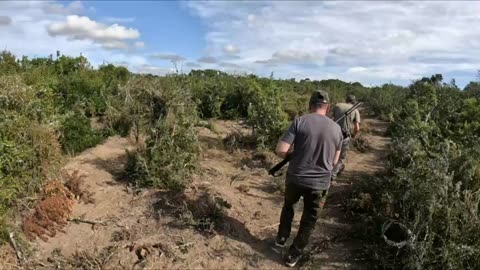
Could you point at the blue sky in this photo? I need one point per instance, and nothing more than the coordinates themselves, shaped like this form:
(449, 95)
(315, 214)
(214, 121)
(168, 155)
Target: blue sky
(370, 42)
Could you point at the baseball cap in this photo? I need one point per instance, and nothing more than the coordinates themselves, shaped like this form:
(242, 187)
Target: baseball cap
(319, 97)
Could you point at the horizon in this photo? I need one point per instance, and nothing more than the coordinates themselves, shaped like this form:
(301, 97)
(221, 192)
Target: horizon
(372, 43)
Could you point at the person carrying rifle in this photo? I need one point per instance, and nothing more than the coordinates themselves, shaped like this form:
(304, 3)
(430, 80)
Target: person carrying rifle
(350, 127)
(317, 142)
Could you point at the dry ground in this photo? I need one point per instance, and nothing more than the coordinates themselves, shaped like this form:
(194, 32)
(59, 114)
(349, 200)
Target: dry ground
(142, 228)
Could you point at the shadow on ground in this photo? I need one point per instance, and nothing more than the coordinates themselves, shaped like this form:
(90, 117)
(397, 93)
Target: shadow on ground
(208, 215)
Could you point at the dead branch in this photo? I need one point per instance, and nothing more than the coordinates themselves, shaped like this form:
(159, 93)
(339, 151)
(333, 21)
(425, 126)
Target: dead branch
(91, 222)
(16, 247)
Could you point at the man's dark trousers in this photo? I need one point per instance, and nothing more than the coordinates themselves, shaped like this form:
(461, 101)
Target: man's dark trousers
(313, 201)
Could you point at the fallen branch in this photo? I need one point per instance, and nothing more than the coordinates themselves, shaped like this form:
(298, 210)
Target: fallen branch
(270, 226)
(16, 247)
(81, 220)
(13, 266)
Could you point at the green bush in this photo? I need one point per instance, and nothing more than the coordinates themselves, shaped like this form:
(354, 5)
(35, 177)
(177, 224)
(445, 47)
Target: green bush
(171, 149)
(29, 154)
(384, 100)
(433, 182)
(29, 148)
(266, 116)
(77, 134)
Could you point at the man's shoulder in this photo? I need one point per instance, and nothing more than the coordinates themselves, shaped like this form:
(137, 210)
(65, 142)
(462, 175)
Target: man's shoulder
(315, 117)
(305, 117)
(343, 106)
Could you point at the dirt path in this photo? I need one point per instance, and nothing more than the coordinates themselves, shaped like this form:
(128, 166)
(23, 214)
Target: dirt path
(146, 228)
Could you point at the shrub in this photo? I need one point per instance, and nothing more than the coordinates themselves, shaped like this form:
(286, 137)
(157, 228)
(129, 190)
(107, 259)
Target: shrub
(432, 186)
(384, 100)
(29, 148)
(265, 115)
(171, 148)
(77, 134)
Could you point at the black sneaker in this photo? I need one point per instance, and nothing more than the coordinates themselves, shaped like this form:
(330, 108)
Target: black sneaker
(279, 244)
(292, 258)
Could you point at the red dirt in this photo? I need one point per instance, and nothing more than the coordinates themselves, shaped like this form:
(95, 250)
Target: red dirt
(50, 213)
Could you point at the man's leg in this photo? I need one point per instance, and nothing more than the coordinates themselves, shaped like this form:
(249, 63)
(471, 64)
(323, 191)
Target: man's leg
(341, 161)
(292, 195)
(313, 204)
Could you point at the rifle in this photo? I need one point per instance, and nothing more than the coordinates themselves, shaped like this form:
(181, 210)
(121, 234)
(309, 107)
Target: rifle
(282, 163)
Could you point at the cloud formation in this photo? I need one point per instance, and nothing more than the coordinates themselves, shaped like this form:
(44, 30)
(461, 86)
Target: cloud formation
(27, 34)
(229, 65)
(5, 20)
(229, 48)
(207, 60)
(169, 56)
(192, 65)
(83, 28)
(389, 40)
(155, 70)
(119, 20)
(75, 7)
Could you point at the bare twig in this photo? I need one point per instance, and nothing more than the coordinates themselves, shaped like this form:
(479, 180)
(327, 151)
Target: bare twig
(13, 265)
(81, 220)
(16, 247)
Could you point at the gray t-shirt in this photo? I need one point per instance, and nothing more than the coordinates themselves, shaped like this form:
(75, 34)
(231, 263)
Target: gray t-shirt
(316, 138)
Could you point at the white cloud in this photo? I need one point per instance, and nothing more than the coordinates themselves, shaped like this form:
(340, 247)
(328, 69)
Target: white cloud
(229, 48)
(75, 7)
(229, 65)
(391, 40)
(293, 57)
(207, 60)
(5, 20)
(155, 70)
(192, 65)
(139, 44)
(115, 45)
(169, 56)
(119, 20)
(28, 35)
(83, 28)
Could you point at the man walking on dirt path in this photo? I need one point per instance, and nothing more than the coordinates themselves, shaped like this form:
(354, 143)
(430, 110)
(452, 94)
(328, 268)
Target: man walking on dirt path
(317, 141)
(350, 126)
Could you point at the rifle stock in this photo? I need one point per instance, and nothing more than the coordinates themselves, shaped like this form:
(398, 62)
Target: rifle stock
(282, 163)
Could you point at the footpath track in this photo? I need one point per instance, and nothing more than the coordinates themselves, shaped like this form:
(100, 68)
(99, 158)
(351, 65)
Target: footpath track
(141, 230)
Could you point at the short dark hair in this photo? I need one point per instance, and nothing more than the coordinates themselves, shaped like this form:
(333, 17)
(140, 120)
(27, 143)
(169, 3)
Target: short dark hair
(318, 105)
(351, 99)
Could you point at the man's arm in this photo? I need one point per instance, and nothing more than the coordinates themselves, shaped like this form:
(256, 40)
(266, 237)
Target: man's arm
(338, 147)
(282, 149)
(357, 127)
(357, 122)
(337, 157)
(286, 141)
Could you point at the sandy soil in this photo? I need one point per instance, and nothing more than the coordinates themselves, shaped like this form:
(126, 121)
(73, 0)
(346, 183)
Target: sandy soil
(142, 228)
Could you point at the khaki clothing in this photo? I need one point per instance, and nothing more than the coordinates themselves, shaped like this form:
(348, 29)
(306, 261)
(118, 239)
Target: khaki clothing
(347, 124)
